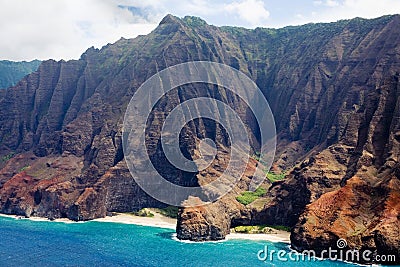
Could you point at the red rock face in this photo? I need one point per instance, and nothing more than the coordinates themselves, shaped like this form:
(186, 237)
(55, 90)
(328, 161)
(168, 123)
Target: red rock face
(333, 89)
(364, 210)
(364, 214)
(18, 188)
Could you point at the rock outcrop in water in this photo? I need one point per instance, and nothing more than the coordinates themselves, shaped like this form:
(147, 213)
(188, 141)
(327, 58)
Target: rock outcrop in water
(333, 89)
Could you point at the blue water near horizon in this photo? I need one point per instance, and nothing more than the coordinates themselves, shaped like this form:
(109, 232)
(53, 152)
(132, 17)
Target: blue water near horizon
(41, 243)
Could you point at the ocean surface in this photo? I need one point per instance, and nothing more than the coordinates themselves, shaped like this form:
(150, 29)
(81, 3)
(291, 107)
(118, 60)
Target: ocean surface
(35, 243)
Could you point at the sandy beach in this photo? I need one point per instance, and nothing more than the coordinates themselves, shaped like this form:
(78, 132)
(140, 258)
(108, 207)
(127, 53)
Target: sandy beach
(164, 222)
(282, 237)
(157, 221)
(38, 219)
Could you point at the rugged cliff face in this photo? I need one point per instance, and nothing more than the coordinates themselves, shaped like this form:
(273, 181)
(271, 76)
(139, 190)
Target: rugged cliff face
(333, 89)
(76, 109)
(364, 207)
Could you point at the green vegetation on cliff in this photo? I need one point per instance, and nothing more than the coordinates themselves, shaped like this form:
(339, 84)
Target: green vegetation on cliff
(248, 197)
(274, 177)
(12, 72)
(170, 211)
(7, 157)
(259, 229)
(143, 213)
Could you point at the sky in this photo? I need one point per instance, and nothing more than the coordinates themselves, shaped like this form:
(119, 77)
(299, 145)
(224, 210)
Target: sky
(64, 29)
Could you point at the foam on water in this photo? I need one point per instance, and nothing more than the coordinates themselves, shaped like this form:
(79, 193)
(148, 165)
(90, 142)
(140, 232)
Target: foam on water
(44, 243)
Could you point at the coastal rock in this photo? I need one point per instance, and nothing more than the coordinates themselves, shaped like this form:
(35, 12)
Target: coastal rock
(364, 210)
(203, 224)
(363, 214)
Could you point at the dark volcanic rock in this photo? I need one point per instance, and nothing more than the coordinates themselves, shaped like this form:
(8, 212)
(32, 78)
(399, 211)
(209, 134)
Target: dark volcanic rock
(333, 89)
(203, 224)
(213, 222)
(365, 210)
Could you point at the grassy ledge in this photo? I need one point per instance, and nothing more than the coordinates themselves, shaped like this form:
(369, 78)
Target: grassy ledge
(248, 197)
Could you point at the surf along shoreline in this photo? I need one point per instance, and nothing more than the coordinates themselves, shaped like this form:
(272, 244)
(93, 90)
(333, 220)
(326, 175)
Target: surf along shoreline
(161, 221)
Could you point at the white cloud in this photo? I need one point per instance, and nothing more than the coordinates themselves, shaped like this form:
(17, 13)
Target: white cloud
(299, 16)
(370, 8)
(331, 3)
(66, 28)
(63, 28)
(246, 12)
(348, 9)
(252, 11)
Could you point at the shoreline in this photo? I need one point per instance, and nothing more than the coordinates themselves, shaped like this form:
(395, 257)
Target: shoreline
(161, 221)
(157, 221)
(281, 237)
(38, 219)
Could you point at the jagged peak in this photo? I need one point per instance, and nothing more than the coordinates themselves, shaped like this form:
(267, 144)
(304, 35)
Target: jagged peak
(90, 51)
(170, 19)
(191, 21)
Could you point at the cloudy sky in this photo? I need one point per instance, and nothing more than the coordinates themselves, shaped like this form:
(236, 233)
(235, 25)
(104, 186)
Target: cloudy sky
(64, 29)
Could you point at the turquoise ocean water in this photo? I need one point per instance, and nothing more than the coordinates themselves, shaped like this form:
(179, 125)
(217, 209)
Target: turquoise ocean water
(37, 243)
